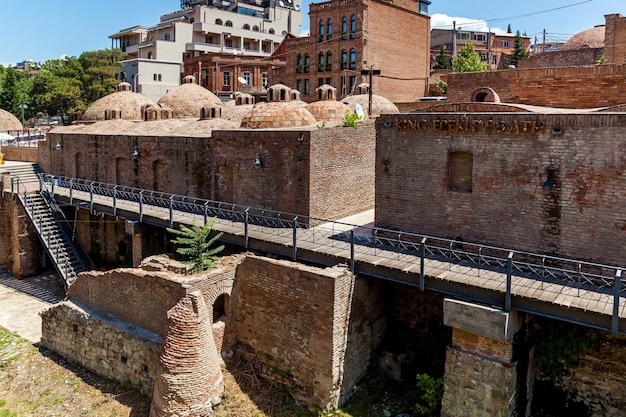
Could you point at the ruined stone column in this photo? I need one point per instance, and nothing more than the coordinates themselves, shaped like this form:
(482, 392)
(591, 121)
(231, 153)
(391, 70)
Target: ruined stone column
(480, 377)
(190, 375)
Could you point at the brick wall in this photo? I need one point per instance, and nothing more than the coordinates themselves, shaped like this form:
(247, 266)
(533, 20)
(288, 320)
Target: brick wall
(342, 171)
(615, 39)
(291, 319)
(582, 218)
(100, 342)
(567, 58)
(568, 87)
(20, 153)
(19, 245)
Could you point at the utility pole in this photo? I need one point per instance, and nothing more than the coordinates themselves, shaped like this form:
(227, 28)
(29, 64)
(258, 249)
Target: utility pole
(543, 45)
(454, 39)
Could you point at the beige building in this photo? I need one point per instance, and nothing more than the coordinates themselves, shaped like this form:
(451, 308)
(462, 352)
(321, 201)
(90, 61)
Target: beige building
(154, 56)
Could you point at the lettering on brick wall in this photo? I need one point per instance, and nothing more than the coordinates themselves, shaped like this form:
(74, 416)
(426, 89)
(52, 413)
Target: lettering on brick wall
(465, 125)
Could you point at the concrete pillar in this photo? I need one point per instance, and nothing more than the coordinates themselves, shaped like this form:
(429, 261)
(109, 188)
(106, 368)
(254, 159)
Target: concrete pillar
(480, 375)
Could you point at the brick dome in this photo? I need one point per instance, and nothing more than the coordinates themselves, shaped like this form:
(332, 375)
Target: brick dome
(124, 103)
(188, 99)
(328, 110)
(380, 104)
(9, 122)
(590, 38)
(277, 114)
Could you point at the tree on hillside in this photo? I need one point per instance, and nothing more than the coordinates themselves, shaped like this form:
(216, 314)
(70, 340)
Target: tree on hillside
(99, 71)
(442, 60)
(519, 50)
(468, 60)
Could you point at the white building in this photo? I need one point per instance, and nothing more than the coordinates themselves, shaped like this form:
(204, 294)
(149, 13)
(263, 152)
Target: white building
(154, 56)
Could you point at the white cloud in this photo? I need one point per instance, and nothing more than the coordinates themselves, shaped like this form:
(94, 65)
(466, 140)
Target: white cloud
(443, 21)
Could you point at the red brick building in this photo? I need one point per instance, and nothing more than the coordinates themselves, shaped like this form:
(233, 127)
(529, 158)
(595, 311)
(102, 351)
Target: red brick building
(351, 36)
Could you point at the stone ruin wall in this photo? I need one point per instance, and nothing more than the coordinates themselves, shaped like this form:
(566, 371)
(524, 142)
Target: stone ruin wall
(19, 247)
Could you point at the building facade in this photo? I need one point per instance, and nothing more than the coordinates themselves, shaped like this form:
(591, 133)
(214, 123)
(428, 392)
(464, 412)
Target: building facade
(350, 37)
(154, 56)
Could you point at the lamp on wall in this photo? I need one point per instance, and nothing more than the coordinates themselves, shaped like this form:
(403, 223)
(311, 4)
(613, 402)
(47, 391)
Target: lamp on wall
(548, 185)
(135, 152)
(58, 146)
(257, 161)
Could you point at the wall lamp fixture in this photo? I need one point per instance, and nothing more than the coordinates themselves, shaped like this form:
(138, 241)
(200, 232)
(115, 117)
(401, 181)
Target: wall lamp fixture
(58, 146)
(136, 152)
(257, 161)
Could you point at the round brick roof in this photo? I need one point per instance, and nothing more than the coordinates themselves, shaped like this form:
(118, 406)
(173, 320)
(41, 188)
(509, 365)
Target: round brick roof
(236, 113)
(277, 114)
(380, 104)
(9, 122)
(125, 100)
(187, 99)
(590, 38)
(328, 110)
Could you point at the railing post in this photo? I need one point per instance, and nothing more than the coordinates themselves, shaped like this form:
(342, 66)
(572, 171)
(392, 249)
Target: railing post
(294, 256)
(509, 274)
(245, 228)
(115, 200)
(422, 263)
(171, 211)
(91, 196)
(141, 206)
(12, 186)
(206, 212)
(71, 191)
(352, 250)
(617, 289)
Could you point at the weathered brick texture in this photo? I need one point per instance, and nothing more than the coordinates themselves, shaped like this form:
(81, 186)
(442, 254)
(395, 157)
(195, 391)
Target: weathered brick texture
(582, 218)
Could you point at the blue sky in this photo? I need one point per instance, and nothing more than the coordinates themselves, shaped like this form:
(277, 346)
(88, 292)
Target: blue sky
(48, 29)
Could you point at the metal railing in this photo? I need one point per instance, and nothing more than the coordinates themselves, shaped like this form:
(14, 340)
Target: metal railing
(362, 241)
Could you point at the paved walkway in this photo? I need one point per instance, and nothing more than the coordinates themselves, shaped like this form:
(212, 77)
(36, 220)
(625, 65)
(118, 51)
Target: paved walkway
(21, 301)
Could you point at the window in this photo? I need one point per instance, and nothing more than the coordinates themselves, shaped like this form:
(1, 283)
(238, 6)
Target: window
(460, 171)
(299, 85)
(246, 26)
(320, 82)
(154, 77)
(329, 81)
(209, 39)
(228, 42)
(462, 36)
(344, 59)
(353, 26)
(320, 62)
(219, 22)
(307, 63)
(246, 45)
(505, 44)
(344, 28)
(150, 55)
(329, 61)
(255, 28)
(160, 77)
(226, 78)
(168, 37)
(248, 77)
(352, 83)
(271, 31)
(229, 23)
(352, 58)
(299, 64)
(329, 30)
(264, 79)
(494, 60)
(307, 89)
(320, 37)
(480, 37)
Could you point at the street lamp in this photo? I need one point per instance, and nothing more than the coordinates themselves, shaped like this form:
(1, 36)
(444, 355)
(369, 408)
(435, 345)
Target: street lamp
(22, 107)
(135, 81)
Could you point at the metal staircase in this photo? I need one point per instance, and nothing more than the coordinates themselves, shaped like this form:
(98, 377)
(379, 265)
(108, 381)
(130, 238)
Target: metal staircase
(47, 219)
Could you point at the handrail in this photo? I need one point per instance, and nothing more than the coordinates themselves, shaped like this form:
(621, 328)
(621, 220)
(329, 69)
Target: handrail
(382, 242)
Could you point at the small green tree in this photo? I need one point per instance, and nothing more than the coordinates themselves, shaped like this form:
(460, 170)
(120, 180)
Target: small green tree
(508, 29)
(468, 60)
(351, 119)
(443, 86)
(195, 243)
(519, 50)
(430, 393)
(442, 60)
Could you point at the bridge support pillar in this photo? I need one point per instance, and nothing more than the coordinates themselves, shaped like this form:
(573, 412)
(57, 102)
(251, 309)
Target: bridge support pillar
(134, 229)
(481, 377)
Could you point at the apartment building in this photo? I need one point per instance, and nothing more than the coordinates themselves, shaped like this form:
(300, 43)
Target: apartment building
(493, 48)
(249, 28)
(351, 37)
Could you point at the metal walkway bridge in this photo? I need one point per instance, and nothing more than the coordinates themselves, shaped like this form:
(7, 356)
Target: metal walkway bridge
(570, 290)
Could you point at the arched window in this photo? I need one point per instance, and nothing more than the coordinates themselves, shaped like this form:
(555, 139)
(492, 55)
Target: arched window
(320, 62)
(219, 22)
(344, 28)
(344, 59)
(352, 58)
(320, 38)
(352, 26)
(271, 31)
(460, 171)
(299, 64)
(229, 24)
(329, 29)
(255, 28)
(150, 55)
(168, 37)
(329, 61)
(307, 62)
(246, 26)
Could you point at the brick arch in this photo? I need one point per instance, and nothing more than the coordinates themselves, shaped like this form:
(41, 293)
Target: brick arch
(222, 327)
(485, 95)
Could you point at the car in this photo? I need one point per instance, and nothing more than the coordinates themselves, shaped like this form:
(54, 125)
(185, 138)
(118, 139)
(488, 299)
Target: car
(431, 98)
